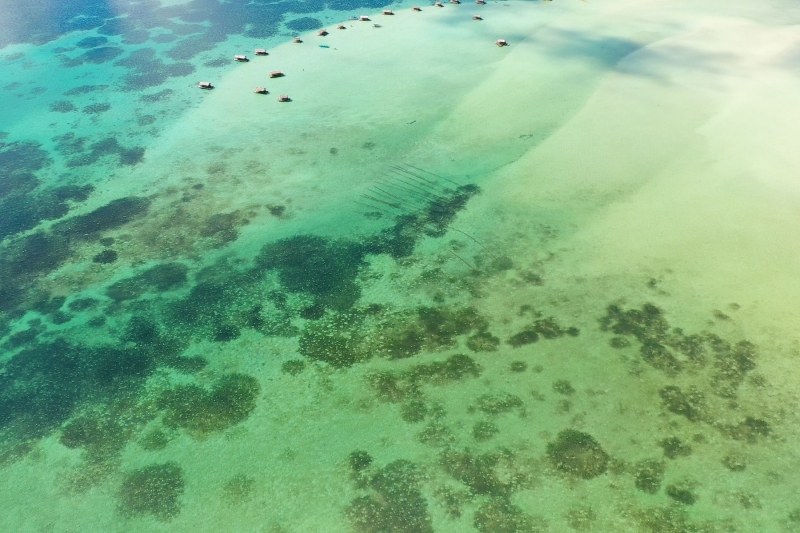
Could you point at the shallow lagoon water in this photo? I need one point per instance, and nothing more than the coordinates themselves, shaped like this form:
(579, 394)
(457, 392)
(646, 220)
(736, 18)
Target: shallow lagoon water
(449, 287)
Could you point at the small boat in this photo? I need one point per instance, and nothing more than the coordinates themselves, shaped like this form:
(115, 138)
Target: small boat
(341, 27)
(438, 4)
(501, 42)
(205, 85)
(284, 98)
(480, 2)
(477, 17)
(416, 8)
(455, 1)
(364, 18)
(261, 90)
(376, 25)
(322, 33)
(241, 59)
(260, 52)
(324, 46)
(276, 74)
(388, 12)
(297, 40)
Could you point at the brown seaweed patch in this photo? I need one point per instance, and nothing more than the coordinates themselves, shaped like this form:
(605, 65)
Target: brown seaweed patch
(577, 454)
(105, 257)
(109, 146)
(159, 278)
(62, 106)
(398, 386)
(690, 404)
(95, 56)
(200, 411)
(84, 89)
(96, 109)
(648, 475)
(238, 489)
(396, 505)
(146, 70)
(492, 473)
(498, 515)
(499, 403)
(159, 96)
(484, 430)
(674, 447)
(101, 438)
(223, 228)
(153, 490)
(334, 340)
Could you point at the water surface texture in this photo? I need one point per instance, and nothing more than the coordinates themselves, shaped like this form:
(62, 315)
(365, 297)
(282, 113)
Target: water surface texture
(447, 287)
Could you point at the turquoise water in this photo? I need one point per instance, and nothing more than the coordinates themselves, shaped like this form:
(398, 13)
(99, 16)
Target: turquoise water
(448, 287)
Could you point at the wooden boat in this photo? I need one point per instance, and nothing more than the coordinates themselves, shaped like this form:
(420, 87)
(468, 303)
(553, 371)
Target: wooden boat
(241, 59)
(276, 74)
(261, 90)
(284, 98)
(205, 85)
(260, 52)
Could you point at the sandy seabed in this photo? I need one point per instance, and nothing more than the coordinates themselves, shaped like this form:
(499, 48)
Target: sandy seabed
(628, 152)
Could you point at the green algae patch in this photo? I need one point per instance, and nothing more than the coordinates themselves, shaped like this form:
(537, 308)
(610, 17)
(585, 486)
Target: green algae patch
(200, 411)
(154, 490)
(577, 454)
